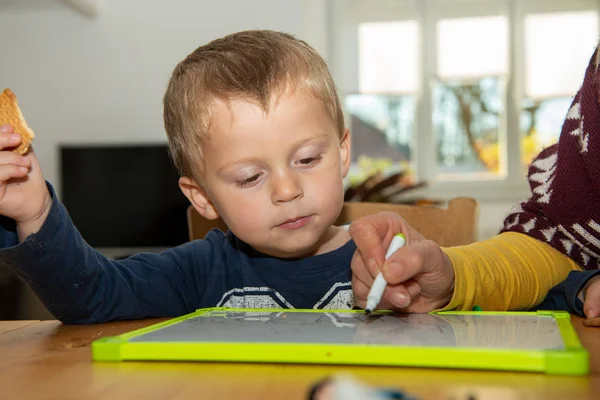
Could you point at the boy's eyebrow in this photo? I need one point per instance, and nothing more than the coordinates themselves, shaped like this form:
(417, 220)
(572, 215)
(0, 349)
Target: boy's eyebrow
(315, 137)
(249, 160)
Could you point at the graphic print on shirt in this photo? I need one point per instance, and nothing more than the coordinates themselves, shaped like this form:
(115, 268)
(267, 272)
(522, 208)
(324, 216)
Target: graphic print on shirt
(339, 297)
(253, 297)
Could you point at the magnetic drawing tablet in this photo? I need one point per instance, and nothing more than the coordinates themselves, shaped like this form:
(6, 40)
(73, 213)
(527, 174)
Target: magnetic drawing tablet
(542, 341)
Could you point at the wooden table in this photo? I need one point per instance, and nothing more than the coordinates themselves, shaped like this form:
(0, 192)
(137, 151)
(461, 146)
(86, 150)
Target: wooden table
(48, 360)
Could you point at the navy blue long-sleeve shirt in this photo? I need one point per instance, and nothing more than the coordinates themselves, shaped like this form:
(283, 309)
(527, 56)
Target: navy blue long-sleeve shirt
(79, 285)
(564, 295)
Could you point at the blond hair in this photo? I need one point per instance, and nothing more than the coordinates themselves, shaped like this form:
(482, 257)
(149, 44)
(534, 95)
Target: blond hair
(251, 65)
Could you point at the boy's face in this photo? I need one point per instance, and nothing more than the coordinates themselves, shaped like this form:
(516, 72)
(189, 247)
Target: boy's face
(276, 178)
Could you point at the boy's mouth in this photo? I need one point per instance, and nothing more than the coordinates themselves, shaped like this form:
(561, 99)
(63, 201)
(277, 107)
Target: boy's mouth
(295, 223)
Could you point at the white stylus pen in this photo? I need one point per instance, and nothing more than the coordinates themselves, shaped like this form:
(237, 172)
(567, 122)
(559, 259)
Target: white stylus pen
(380, 284)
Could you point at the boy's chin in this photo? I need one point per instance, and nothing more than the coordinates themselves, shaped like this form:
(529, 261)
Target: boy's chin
(305, 242)
(292, 248)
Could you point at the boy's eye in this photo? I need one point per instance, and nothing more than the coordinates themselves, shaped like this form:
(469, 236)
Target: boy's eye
(248, 181)
(309, 160)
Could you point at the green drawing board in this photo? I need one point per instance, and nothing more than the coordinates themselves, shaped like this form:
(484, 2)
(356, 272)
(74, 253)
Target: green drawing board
(542, 341)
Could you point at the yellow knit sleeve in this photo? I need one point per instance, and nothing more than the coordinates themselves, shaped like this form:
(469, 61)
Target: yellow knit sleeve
(510, 271)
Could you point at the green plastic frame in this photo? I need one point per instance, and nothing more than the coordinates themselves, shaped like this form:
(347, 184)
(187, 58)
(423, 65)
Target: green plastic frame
(573, 360)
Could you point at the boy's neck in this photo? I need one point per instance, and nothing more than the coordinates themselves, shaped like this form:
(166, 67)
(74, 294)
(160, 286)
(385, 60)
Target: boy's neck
(335, 238)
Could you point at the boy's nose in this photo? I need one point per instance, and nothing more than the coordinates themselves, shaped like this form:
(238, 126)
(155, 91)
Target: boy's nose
(286, 187)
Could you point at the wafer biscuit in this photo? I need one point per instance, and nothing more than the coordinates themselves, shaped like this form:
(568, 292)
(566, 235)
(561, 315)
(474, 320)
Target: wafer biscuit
(11, 114)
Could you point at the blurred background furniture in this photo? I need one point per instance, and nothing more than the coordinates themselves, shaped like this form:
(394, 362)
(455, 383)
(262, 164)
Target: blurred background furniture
(453, 225)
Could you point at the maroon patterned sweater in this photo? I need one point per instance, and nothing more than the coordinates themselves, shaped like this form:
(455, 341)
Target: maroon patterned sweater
(564, 209)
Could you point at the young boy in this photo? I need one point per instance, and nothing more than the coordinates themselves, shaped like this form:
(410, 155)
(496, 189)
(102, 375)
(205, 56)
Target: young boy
(255, 128)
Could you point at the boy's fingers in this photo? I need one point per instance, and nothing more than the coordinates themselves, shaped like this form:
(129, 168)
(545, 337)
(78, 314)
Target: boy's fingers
(12, 171)
(10, 157)
(591, 306)
(6, 128)
(9, 140)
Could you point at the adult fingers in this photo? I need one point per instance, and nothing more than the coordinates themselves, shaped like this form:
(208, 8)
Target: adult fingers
(360, 271)
(411, 260)
(361, 292)
(372, 234)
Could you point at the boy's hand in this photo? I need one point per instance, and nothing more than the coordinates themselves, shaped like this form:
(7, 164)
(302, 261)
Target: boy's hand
(420, 276)
(24, 196)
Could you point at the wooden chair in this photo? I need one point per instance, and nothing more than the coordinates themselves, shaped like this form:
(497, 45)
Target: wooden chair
(451, 226)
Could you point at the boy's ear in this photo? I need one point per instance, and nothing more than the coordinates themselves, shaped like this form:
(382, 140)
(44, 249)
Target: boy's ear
(345, 152)
(197, 196)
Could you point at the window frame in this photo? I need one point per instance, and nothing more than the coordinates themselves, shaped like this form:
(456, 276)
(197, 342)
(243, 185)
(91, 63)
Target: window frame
(345, 15)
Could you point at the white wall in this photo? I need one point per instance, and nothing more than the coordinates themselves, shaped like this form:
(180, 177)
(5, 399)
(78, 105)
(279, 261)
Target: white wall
(80, 80)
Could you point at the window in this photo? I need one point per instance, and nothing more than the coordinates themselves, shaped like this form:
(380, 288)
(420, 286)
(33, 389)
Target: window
(558, 47)
(459, 91)
(387, 64)
(472, 60)
(472, 47)
(382, 124)
(382, 128)
(467, 120)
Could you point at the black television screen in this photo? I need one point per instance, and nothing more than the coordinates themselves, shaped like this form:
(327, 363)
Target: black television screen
(123, 196)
